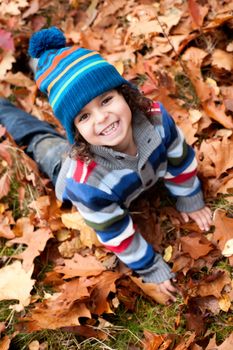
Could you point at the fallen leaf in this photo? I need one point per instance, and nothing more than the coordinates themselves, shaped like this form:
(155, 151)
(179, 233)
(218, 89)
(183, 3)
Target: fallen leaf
(12, 7)
(224, 302)
(152, 341)
(87, 234)
(152, 290)
(196, 245)
(168, 253)
(80, 266)
(35, 241)
(226, 345)
(6, 40)
(223, 228)
(16, 283)
(222, 59)
(5, 343)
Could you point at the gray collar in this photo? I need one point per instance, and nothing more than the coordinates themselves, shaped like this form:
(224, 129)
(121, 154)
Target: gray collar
(146, 138)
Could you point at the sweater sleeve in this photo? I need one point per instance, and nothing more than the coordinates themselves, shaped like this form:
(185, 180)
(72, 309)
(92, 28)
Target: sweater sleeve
(115, 230)
(181, 176)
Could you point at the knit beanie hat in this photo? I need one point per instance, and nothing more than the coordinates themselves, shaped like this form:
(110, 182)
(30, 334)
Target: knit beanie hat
(70, 76)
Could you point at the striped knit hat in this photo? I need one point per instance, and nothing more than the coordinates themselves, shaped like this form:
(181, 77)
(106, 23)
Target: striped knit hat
(70, 76)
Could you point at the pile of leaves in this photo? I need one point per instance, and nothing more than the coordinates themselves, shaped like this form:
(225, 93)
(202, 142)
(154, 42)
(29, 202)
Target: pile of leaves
(53, 269)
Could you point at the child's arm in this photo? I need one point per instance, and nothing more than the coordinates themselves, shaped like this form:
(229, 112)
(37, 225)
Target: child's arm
(181, 179)
(115, 229)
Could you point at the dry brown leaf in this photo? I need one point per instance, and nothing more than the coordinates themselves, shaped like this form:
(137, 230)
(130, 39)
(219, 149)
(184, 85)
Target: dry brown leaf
(35, 241)
(222, 59)
(152, 290)
(12, 7)
(197, 12)
(152, 341)
(104, 284)
(80, 266)
(196, 245)
(226, 345)
(5, 343)
(214, 284)
(5, 229)
(16, 283)
(223, 228)
(87, 234)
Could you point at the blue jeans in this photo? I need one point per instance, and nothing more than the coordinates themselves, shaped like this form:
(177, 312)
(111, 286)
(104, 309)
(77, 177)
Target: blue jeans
(43, 143)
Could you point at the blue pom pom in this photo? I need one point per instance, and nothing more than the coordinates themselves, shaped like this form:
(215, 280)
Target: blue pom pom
(44, 40)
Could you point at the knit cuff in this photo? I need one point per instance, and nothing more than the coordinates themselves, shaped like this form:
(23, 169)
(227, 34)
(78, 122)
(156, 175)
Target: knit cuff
(158, 272)
(190, 204)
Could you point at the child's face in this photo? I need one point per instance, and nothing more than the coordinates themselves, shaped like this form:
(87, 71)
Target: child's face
(106, 121)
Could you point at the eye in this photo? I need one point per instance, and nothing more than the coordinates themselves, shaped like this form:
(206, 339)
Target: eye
(107, 99)
(83, 117)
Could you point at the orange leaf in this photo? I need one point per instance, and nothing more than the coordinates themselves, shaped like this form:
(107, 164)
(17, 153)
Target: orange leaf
(152, 290)
(223, 228)
(152, 341)
(196, 245)
(35, 241)
(80, 266)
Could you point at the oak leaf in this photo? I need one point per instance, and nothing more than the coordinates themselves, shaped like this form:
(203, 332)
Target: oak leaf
(62, 309)
(196, 245)
(5, 184)
(5, 343)
(104, 284)
(226, 345)
(80, 266)
(152, 341)
(35, 241)
(16, 283)
(6, 63)
(223, 229)
(12, 7)
(151, 289)
(222, 59)
(87, 234)
(214, 284)
(5, 229)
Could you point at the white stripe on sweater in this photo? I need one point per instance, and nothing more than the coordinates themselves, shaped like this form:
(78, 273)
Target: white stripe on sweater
(116, 241)
(179, 191)
(135, 251)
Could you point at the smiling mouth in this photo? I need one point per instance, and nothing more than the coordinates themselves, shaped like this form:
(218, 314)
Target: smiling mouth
(110, 129)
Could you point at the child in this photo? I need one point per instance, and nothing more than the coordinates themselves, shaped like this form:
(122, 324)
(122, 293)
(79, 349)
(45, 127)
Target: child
(122, 144)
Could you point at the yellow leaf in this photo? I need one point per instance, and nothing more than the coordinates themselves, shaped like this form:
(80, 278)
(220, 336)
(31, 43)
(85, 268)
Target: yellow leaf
(6, 63)
(212, 83)
(87, 234)
(16, 283)
(168, 253)
(224, 302)
(228, 248)
(119, 66)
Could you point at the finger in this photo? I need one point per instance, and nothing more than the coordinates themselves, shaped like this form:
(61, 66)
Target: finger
(208, 215)
(199, 221)
(164, 290)
(184, 216)
(167, 288)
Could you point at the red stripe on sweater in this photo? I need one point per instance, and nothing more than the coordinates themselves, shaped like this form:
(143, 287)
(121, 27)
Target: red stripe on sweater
(183, 177)
(80, 168)
(122, 246)
(90, 168)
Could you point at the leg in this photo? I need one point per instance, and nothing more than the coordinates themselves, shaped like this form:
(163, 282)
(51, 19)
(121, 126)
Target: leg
(44, 144)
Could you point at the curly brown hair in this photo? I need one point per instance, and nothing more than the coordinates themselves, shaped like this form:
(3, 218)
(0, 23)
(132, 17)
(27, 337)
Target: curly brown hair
(136, 101)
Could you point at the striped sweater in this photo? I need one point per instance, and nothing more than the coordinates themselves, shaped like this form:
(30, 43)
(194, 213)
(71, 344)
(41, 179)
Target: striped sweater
(103, 189)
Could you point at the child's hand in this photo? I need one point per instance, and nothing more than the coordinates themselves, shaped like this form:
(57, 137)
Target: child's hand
(167, 288)
(202, 217)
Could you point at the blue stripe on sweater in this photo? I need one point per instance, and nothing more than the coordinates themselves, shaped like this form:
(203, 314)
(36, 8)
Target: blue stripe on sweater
(114, 230)
(158, 156)
(91, 197)
(127, 185)
(177, 170)
(145, 262)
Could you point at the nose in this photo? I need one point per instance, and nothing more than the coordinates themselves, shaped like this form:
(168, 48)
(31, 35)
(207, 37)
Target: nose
(100, 116)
